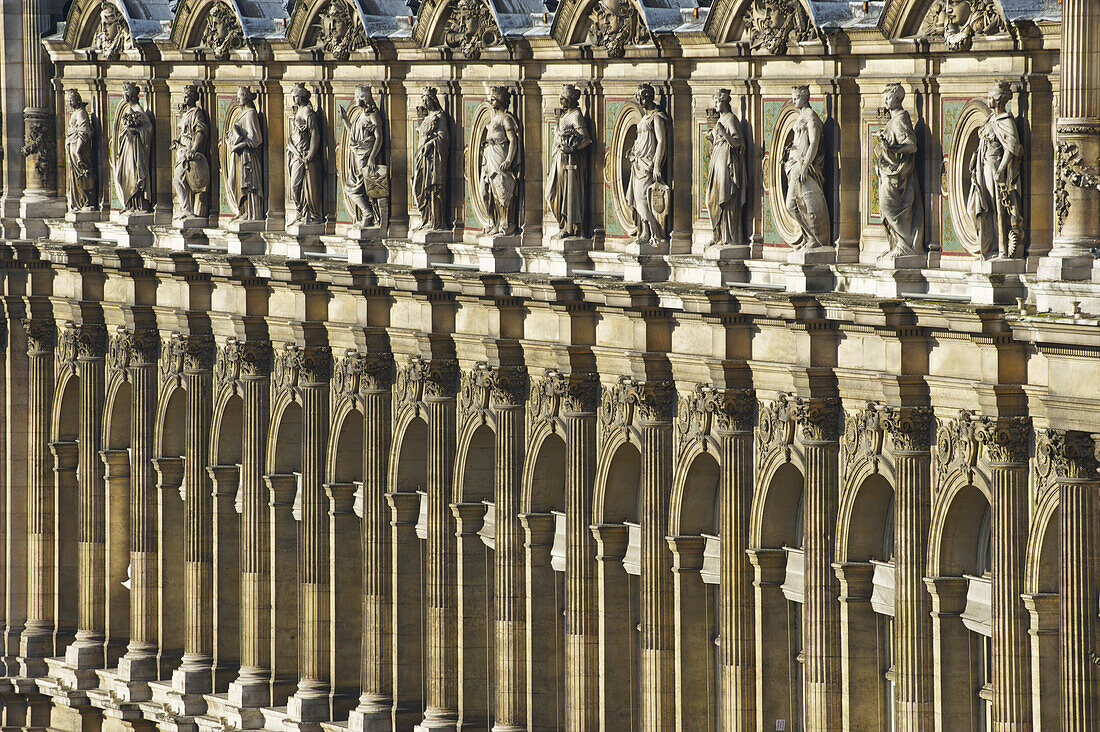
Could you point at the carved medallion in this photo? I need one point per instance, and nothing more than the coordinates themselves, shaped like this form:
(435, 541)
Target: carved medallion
(223, 32)
(957, 22)
(616, 24)
(341, 31)
(774, 25)
(355, 373)
(112, 37)
(471, 28)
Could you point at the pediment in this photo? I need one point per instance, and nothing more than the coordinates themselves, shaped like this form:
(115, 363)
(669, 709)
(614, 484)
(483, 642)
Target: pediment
(767, 26)
(957, 23)
(465, 26)
(337, 27)
(613, 25)
(98, 25)
(220, 27)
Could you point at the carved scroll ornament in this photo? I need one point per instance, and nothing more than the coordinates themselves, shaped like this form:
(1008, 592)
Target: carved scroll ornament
(1071, 170)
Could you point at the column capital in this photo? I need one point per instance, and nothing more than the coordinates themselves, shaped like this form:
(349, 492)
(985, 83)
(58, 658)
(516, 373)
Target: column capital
(169, 471)
(611, 541)
(500, 387)
(1005, 438)
(539, 529)
(630, 402)
(1066, 455)
(133, 348)
(224, 479)
(404, 507)
(469, 517)
(563, 395)
(709, 410)
(41, 336)
(341, 498)
(421, 380)
(687, 552)
(301, 366)
(187, 354)
(817, 417)
(1044, 611)
(910, 428)
(237, 360)
(85, 342)
(356, 372)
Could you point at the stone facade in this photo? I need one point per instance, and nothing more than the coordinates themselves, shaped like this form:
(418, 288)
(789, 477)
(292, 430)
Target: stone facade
(416, 385)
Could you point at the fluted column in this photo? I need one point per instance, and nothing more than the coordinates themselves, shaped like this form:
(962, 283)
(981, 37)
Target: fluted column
(508, 386)
(618, 706)
(1006, 443)
(36, 642)
(736, 629)
(38, 111)
(195, 674)
(656, 405)
(135, 353)
(543, 625)
(694, 649)
(226, 573)
(581, 397)
(473, 579)
(87, 651)
(1074, 466)
(406, 618)
(66, 533)
(440, 378)
(1077, 198)
(250, 366)
(310, 702)
(819, 421)
(375, 374)
(910, 432)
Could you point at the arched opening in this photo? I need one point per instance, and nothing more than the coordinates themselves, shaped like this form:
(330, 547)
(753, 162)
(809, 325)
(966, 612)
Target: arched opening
(408, 481)
(545, 539)
(225, 474)
(961, 612)
(866, 574)
(778, 565)
(116, 461)
(66, 514)
(171, 438)
(618, 567)
(284, 486)
(476, 517)
(1041, 598)
(346, 580)
(695, 547)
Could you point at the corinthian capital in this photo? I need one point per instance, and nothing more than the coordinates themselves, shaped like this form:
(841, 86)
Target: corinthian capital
(41, 336)
(356, 372)
(87, 342)
(1066, 455)
(817, 417)
(237, 360)
(421, 379)
(131, 348)
(1005, 438)
(910, 428)
(302, 365)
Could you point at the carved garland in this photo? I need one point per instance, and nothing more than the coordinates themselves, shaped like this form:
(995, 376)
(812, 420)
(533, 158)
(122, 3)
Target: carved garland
(40, 142)
(615, 24)
(774, 25)
(471, 28)
(222, 33)
(1071, 170)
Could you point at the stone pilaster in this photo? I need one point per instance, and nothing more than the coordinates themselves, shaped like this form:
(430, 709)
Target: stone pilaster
(910, 434)
(475, 626)
(90, 347)
(773, 671)
(249, 365)
(819, 421)
(860, 672)
(1074, 466)
(66, 529)
(345, 595)
(615, 629)
(36, 642)
(736, 411)
(508, 389)
(694, 650)
(581, 398)
(116, 480)
(440, 380)
(543, 626)
(134, 353)
(170, 563)
(406, 617)
(375, 375)
(952, 680)
(656, 404)
(284, 600)
(1006, 443)
(226, 572)
(310, 702)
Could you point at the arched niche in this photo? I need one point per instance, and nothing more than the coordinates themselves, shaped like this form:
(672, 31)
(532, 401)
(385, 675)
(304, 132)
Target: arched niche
(617, 496)
(410, 469)
(777, 515)
(285, 443)
(171, 433)
(624, 132)
(66, 411)
(955, 546)
(345, 452)
(695, 502)
(545, 482)
(866, 529)
(226, 438)
(476, 463)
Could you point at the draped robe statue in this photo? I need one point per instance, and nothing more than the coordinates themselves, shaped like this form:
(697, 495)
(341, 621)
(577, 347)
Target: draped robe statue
(995, 192)
(80, 172)
(647, 192)
(366, 180)
(429, 180)
(191, 177)
(499, 164)
(565, 183)
(304, 160)
(726, 177)
(244, 176)
(898, 188)
(133, 140)
(803, 167)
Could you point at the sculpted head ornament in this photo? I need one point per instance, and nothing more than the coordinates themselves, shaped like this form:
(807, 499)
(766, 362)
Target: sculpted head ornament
(645, 93)
(498, 97)
(300, 95)
(72, 96)
(570, 95)
(1000, 94)
(130, 91)
(245, 95)
(800, 95)
(364, 97)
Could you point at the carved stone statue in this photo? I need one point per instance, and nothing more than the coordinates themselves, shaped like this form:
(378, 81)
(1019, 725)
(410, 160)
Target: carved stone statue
(726, 177)
(80, 175)
(500, 157)
(773, 25)
(223, 32)
(957, 22)
(647, 192)
(804, 169)
(133, 141)
(341, 32)
(429, 181)
(565, 184)
(244, 173)
(366, 180)
(616, 24)
(994, 198)
(191, 177)
(112, 37)
(304, 159)
(899, 198)
(471, 28)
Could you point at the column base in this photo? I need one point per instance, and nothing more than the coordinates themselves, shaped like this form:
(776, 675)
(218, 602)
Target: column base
(122, 689)
(371, 716)
(309, 706)
(34, 209)
(78, 670)
(438, 719)
(1066, 265)
(364, 245)
(189, 686)
(35, 646)
(250, 691)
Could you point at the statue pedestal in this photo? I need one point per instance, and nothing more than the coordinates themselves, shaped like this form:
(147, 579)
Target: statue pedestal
(810, 270)
(1066, 264)
(292, 246)
(34, 209)
(130, 230)
(559, 256)
(364, 245)
(640, 249)
(243, 237)
(900, 275)
(644, 267)
(496, 253)
(74, 227)
(996, 281)
(424, 248)
(182, 234)
(703, 270)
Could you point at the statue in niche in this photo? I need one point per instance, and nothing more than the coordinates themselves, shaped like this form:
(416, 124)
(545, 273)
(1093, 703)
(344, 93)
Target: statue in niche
(500, 157)
(804, 170)
(726, 177)
(304, 159)
(244, 172)
(995, 196)
(367, 181)
(898, 188)
(112, 37)
(133, 141)
(191, 176)
(80, 174)
(429, 180)
(565, 184)
(647, 194)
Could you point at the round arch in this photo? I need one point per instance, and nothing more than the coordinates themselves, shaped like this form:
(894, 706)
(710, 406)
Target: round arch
(408, 471)
(544, 476)
(227, 425)
(1041, 562)
(116, 415)
(695, 493)
(65, 417)
(774, 520)
(284, 439)
(618, 480)
(862, 519)
(171, 422)
(344, 452)
(953, 538)
(475, 462)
